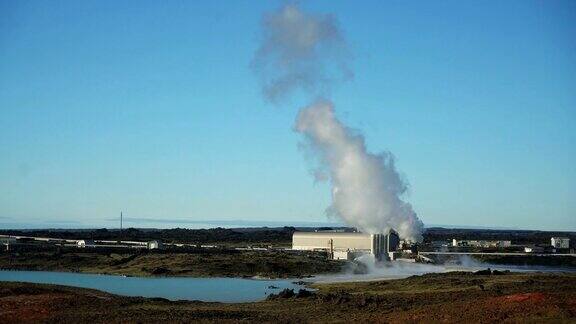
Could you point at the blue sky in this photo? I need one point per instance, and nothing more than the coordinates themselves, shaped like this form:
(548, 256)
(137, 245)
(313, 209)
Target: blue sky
(150, 107)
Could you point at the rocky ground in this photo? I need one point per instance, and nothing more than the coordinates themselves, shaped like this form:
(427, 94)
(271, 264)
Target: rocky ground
(451, 297)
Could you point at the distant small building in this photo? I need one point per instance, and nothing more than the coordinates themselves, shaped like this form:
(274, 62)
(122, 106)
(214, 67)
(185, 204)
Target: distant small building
(343, 255)
(393, 255)
(540, 249)
(533, 249)
(409, 247)
(560, 242)
(8, 240)
(156, 244)
(85, 243)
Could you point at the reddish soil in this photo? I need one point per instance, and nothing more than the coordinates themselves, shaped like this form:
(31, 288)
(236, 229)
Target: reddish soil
(510, 308)
(450, 298)
(28, 308)
(528, 297)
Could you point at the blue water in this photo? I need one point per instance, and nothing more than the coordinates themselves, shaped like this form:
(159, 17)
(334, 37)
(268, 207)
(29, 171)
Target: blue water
(229, 290)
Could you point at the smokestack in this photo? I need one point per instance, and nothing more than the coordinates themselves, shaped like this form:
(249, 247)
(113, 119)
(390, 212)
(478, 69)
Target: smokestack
(307, 53)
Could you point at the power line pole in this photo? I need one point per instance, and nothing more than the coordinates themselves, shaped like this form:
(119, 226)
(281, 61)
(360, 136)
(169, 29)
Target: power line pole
(120, 238)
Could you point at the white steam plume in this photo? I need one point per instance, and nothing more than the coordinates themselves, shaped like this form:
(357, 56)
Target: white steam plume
(366, 188)
(300, 51)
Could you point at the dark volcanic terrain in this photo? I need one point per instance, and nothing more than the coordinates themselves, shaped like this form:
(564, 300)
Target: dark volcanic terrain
(190, 263)
(452, 297)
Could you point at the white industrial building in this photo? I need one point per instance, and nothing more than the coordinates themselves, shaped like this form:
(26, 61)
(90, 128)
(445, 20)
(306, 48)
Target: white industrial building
(155, 244)
(560, 242)
(533, 249)
(346, 246)
(85, 243)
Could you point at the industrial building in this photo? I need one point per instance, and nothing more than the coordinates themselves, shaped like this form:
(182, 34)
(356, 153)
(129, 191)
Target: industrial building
(347, 246)
(85, 243)
(533, 249)
(155, 244)
(560, 242)
(7, 240)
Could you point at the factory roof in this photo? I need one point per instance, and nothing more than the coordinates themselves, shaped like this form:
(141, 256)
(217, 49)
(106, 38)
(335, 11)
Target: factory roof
(332, 234)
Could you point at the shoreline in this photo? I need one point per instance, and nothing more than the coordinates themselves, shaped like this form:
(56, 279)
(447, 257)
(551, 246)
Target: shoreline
(256, 278)
(446, 297)
(152, 276)
(324, 279)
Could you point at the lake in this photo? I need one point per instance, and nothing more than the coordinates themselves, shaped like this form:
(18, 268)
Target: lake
(229, 290)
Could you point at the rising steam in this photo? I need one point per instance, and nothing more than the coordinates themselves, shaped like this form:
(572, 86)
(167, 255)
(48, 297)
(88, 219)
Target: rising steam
(366, 188)
(301, 51)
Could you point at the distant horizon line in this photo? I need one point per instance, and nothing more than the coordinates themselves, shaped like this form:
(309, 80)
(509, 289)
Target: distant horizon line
(230, 224)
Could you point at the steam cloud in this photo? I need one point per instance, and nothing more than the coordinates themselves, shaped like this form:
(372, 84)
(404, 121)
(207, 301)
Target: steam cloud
(298, 52)
(366, 188)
